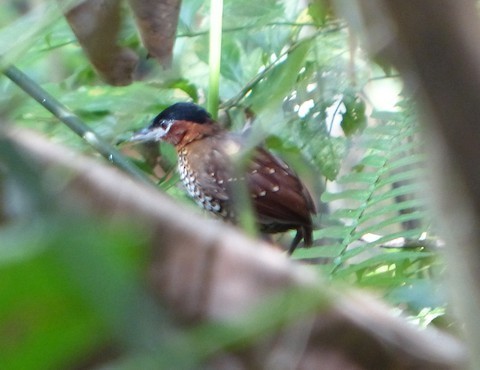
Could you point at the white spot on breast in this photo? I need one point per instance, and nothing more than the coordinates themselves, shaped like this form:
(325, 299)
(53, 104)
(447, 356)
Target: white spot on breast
(271, 170)
(231, 147)
(275, 188)
(262, 193)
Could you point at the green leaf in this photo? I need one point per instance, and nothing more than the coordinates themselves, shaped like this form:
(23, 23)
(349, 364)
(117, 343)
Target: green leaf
(276, 84)
(23, 33)
(358, 177)
(353, 119)
(405, 189)
(231, 66)
(43, 320)
(360, 195)
(183, 84)
(418, 294)
(409, 175)
(396, 219)
(248, 13)
(347, 213)
(324, 251)
(319, 11)
(396, 207)
(383, 259)
(334, 232)
(373, 160)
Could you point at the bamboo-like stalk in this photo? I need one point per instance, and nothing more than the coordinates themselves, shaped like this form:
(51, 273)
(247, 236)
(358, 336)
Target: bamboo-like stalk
(74, 123)
(215, 53)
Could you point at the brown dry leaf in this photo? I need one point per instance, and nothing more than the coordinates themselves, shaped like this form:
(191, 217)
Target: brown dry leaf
(157, 22)
(96, 24)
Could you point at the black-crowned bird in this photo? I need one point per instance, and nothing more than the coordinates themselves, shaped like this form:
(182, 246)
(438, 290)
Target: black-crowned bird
(280, 200)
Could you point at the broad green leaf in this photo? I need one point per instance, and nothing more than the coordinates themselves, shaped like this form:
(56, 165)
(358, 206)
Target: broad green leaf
(276, 85)
(353, 119)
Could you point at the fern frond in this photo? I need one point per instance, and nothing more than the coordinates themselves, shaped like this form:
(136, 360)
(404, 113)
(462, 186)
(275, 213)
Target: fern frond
(380, 196)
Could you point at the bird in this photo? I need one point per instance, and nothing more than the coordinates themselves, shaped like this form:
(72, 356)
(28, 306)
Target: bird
(206, 151)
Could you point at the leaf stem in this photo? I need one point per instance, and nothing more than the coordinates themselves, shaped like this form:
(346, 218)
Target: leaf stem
(74, 122)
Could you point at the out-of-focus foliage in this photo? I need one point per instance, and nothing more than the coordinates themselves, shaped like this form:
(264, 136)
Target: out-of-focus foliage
(316, 101)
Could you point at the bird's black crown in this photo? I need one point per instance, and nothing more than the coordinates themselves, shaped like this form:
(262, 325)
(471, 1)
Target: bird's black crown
(183, 112)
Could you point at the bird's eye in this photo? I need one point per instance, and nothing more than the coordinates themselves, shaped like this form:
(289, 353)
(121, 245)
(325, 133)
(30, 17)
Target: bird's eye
(166, 124)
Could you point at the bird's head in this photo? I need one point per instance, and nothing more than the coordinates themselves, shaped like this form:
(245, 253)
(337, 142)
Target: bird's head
(179, 124)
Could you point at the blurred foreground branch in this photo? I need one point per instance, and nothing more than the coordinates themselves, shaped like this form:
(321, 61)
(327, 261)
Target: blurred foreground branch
(208, 272)
(434, 43)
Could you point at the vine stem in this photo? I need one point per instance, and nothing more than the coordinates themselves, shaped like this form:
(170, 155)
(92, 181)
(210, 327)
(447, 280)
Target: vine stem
(215, 53)
(74, 123)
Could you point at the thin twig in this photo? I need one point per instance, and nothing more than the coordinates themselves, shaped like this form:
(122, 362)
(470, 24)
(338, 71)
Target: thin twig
(74, 123)
(248, 28)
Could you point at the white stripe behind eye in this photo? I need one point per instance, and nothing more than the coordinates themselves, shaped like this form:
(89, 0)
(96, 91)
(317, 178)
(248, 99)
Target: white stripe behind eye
(161, 130)
(167, 125)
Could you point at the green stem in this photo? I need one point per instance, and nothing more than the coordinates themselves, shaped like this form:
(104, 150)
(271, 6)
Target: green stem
(215, 53)
(74, 123)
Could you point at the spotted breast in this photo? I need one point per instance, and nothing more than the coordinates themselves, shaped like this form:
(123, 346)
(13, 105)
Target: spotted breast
(210, 201)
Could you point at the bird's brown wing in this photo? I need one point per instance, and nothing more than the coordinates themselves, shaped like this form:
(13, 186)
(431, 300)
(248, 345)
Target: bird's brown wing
(279, 196)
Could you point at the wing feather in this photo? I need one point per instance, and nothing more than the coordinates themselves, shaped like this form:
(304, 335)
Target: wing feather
(280, 199)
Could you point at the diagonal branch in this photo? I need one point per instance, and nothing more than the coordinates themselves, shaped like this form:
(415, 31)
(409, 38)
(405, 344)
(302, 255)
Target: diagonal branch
(74, 123)
(207, 272)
